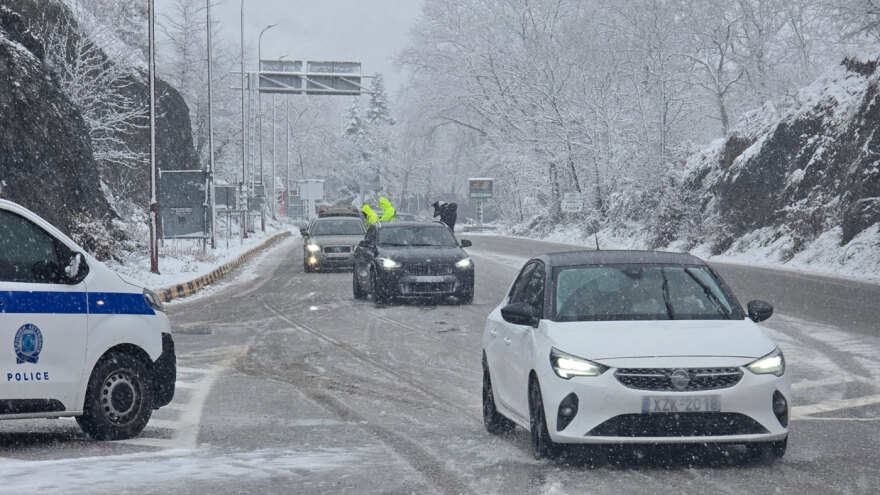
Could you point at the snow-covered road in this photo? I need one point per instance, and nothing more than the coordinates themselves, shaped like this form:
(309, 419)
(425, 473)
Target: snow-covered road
(287, 385)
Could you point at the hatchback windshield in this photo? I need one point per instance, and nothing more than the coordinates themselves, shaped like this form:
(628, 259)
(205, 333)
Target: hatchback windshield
(640, 292)
(338, 227)
(416, 236)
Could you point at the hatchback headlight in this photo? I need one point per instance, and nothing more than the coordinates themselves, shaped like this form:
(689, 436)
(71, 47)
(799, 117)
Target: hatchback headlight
(463, 263)
(153, 300)
(388, 263)
(567, 366)
(771, 364)
(313, 248)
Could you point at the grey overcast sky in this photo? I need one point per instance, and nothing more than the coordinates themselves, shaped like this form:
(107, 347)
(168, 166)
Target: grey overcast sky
(366, 31)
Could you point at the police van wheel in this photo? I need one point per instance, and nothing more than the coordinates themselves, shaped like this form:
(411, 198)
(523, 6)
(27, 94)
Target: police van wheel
(119, 399)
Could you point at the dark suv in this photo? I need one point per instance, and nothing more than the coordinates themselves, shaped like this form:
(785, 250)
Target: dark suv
(412, 260)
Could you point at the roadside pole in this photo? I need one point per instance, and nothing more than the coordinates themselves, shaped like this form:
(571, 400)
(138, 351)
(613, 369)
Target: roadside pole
(154, 206)
(243, 196)
(210, 192)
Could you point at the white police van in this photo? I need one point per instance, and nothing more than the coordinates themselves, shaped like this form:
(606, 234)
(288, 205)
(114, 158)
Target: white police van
(77, 339)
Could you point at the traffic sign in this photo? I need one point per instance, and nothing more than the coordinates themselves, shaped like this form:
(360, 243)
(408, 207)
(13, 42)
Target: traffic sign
(572, 203)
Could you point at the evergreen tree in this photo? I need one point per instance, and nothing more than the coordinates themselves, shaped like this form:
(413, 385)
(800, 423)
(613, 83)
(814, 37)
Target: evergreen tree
(377, 111)
(354, 127)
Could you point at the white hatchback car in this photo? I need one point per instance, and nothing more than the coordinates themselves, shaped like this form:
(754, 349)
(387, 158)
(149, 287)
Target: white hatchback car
(632, 347)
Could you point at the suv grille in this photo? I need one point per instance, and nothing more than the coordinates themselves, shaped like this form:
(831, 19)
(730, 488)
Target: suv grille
(428, 269)
(660, 379)
(693, 424)
(337, 249)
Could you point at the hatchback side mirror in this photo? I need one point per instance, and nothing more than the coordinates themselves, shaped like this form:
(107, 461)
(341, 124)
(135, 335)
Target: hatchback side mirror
(466, 243)
(304, 232)
(520, 313)
(759, 310)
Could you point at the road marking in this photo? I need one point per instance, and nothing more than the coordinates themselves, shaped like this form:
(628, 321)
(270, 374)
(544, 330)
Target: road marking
(832, 380)
(802, 412)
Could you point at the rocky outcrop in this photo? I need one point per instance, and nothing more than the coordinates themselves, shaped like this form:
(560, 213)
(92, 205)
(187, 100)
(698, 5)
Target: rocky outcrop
(814, 168)
(46, 161)
(46, 155)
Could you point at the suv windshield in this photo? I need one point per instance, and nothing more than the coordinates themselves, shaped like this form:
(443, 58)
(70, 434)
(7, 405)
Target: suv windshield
(640, 292)
(352, 226)
(416, 236)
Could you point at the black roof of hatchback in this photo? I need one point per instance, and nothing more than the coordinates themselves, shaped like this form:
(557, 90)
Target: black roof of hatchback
(593, 257)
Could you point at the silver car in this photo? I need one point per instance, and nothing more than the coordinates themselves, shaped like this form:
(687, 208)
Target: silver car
(330, 242)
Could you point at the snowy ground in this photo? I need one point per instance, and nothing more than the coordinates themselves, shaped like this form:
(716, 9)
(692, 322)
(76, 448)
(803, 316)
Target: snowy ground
(182, 260)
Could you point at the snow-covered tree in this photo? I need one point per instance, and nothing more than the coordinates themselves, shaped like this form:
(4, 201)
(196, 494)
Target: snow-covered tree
(378, 111)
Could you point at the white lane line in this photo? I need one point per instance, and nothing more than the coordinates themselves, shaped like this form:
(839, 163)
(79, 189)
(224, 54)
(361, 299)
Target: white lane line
(164, 423)
(831, 380)
(801, 412)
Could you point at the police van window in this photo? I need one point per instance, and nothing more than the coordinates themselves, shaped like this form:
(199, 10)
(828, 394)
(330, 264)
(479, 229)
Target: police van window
(27, 252)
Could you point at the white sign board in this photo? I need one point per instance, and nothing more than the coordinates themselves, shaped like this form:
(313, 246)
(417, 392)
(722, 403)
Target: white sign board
(572, 203)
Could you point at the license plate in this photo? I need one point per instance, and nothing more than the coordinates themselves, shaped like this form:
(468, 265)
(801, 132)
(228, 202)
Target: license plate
(699, 403)
(428, 279)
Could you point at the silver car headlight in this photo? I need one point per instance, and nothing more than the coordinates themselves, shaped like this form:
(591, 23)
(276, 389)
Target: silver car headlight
(567, 366)
(463, 263)
(153, 300)
(313, 248)
(771, 364)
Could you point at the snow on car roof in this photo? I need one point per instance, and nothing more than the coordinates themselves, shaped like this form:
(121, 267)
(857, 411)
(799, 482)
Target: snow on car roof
(593, 257)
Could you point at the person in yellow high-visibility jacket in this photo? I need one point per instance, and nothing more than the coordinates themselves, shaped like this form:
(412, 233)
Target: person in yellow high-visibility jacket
(370, 216)
(387, 210)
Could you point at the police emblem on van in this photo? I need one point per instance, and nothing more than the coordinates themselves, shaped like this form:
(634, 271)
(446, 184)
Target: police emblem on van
(28, 344)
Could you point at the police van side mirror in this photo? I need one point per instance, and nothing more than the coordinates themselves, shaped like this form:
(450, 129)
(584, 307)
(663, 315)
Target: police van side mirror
(76, 269)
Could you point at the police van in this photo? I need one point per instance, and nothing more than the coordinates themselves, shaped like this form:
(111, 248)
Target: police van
(77, 339)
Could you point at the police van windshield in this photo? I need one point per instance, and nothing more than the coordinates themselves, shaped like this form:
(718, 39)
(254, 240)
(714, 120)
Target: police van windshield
(351, 226)
(416, 236)
(640, 292)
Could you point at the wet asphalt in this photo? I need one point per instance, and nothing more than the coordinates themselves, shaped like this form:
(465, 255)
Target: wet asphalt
(289, 385)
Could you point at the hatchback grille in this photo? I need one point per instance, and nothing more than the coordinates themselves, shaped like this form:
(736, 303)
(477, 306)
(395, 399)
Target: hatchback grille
(337, 249)
(660, 379)
(428, 269)
(694, 424)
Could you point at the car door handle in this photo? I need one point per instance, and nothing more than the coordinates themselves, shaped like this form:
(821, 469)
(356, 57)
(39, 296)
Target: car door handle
(492, 333)
(507, 340)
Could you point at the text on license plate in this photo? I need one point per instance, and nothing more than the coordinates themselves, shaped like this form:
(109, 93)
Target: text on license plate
(700, 403)
(428, 279)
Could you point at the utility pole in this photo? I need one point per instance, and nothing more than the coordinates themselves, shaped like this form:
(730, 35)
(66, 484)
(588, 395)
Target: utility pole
(210, 192)
(243, 199)
(274, 206)
(154, 205)
(260, 119)
(287, 157)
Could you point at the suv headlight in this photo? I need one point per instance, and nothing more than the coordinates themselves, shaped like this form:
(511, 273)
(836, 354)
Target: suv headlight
(567, 366)
(463, 263)
(313, 248)
(388, 263)
(771, 364)
(153, 300)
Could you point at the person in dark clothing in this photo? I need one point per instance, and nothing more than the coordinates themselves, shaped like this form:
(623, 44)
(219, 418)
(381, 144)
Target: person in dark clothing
(448, 212)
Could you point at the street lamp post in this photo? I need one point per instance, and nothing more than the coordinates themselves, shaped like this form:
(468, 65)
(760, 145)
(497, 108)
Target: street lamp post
(260, 115)
(154, 205)
(243, 198)
(210, 191)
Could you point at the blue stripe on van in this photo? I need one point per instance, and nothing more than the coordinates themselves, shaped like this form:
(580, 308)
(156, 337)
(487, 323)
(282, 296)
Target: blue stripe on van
(116, 303)
(73, 303)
